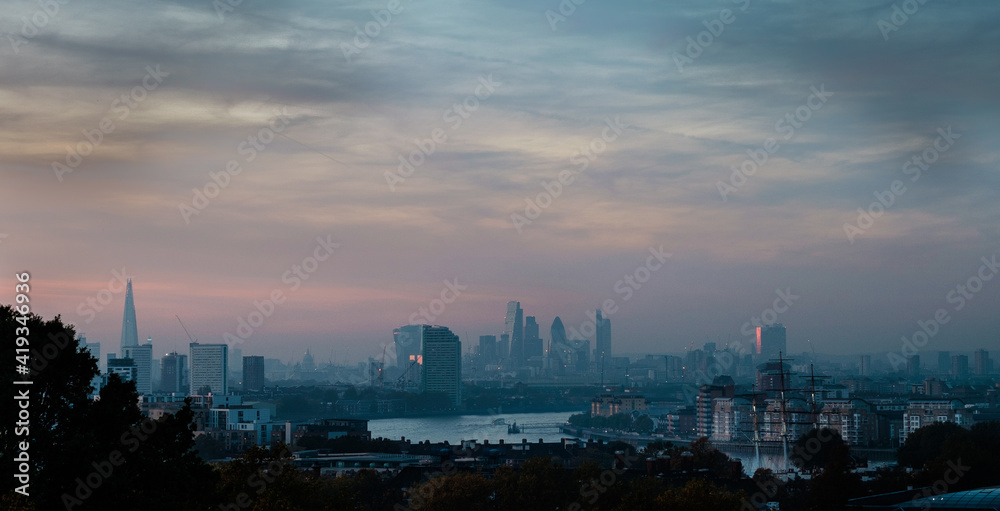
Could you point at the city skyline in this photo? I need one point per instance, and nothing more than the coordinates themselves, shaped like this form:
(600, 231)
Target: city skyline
(335, 190)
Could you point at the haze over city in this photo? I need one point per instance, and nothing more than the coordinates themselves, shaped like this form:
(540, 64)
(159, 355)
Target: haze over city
(495, 101)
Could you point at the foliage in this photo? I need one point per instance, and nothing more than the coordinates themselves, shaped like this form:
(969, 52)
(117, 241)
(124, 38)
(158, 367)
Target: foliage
(814, 450)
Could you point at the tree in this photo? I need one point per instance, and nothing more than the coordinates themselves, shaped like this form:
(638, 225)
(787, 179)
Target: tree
(644, 424)
(88, 454)
(814, 449)
(700, 495)
(454, 492)
(926, 443)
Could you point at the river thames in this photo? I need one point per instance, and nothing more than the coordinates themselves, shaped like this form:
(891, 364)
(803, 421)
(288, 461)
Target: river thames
(473, 427)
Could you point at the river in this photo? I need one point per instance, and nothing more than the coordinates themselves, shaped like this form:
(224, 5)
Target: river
(472, 427)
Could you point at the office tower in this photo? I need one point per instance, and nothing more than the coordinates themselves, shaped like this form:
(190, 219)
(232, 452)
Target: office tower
(95, 351)
(602, 348)
(235, 357)
(960, 366)
(94, 348)
(865, 365)
(558, 345)
(253, 373)
(209, 368)
(710, 347)
(503, 349)
(442, 362)
(407, 342)
(142, 356)
(913, 365)
(579, 353)
(123, 367)
(488, 349)
(173, 373)
(130, 332)
(983, 365)
(514, 328)
(944, 362)
(771, 341)
(532, 342)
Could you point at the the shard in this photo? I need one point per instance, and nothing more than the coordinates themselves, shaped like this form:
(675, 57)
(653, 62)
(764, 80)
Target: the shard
(130, 333)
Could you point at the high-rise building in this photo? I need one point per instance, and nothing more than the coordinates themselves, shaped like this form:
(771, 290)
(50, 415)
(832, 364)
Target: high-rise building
(94, 348)
(253, 373)
(142, 356)
(95, 351)
(173, 373)
(488, 348)
(130, 332)
(503, 349)
(209, 368)
(944, 362)
(865, 365)
(442, 362)
(123, 367)
(602, 345)
(558, 346)
(982, 363)
(514, 328)
(913, 365)
(407, 342)
(960, 366)
(532, 342)
(771, 341)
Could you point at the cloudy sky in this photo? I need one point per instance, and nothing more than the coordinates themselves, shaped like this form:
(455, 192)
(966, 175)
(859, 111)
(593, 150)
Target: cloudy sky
(116, 115)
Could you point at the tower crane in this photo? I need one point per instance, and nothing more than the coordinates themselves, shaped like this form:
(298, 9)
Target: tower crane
(185, 329)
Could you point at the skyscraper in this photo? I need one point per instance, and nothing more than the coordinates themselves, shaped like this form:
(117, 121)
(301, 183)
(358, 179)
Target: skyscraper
(558, 346)
(442, 362)
(142, 356)
(514, 328)
(173, 372)
(253, 373)
(771, 340)
(123, 367)
(488, 349)
(532, 342)
(209, 368)
(944, 362)
(865, 365)
(130, 332)
(602, 346)
(913, 365)
(407, 342)
(960, 366)
(503, 349)
(982, 363)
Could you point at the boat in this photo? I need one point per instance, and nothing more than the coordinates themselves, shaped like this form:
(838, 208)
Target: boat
(512, 428)
(500, 422)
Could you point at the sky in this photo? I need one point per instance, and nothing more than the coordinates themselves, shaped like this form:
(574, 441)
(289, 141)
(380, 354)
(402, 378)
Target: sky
(222, 154)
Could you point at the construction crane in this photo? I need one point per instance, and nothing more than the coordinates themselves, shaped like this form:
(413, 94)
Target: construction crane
(401, 381)
(185, 329)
